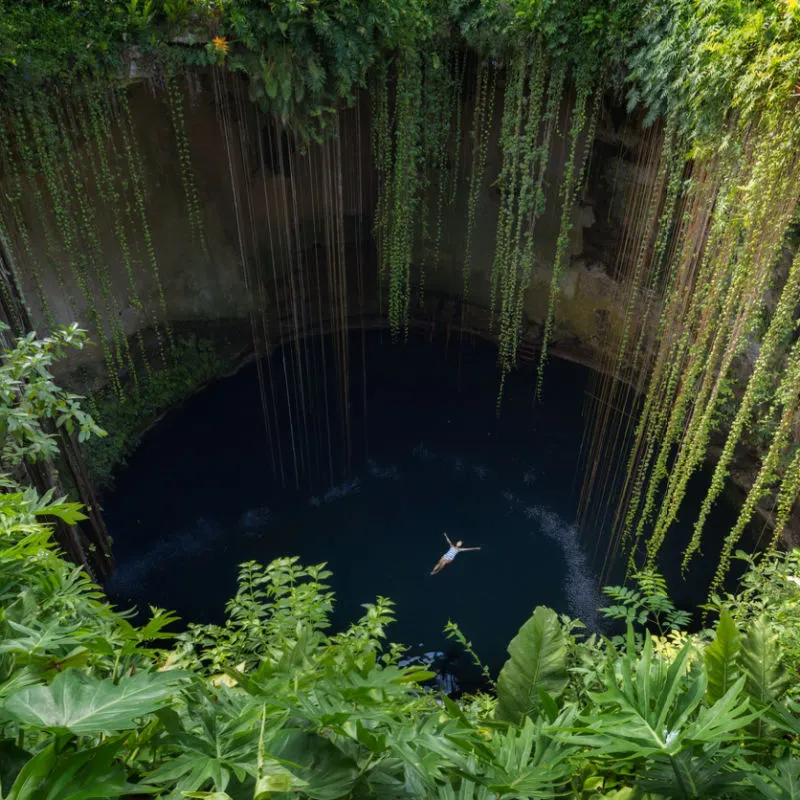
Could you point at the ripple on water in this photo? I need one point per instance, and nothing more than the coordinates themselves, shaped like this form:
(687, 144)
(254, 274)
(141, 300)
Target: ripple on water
(338, 492)
(135, 574)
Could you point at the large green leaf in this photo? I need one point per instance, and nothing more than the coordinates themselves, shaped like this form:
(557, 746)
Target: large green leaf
(217, 738)
(693, 774)
(329, 772)
(722, 658)
(528, 761)
(467, 790)
(652, 706)
(766, 677)
(761, 660)
(538, 662)
(82, 704)
(782, 782)
(90, 773)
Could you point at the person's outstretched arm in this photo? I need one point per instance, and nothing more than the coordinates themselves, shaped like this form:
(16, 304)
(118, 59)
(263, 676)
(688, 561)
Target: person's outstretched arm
(464, 549)
(448, 540)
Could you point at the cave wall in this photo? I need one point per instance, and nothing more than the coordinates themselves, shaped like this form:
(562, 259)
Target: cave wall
(250, 240)
(270, 230)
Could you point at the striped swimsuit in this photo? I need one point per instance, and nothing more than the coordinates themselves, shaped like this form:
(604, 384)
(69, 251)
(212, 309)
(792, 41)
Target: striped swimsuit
(450, 554)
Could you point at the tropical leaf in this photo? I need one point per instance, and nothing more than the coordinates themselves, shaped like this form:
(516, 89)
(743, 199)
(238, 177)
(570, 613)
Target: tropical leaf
(693, 774)
(94, 772)
(218, 739)
(766, 677)
(538, 662)
(82, 704)
(721, 658)
(467, 790)
(329, 773)
(70, 513)
(718, 722)
(653, 700)
(780, 783)
(529, 761)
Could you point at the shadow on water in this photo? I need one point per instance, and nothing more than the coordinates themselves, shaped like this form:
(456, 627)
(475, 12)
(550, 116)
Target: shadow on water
(204, 493)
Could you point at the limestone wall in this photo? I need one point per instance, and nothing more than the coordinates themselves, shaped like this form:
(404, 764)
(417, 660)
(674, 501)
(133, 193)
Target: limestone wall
(267, 206)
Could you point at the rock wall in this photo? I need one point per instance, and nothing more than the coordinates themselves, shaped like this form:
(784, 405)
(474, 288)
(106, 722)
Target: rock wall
(287, 230)
(268, 206)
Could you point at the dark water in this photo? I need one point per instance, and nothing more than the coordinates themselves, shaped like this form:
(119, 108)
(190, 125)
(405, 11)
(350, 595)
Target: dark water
(200, 495)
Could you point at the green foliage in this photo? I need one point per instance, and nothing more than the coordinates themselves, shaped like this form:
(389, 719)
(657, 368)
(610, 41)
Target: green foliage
(583, 89)
(452, 631)
(649, 604)
(769, 587)
(722, 657)
(301, 59)
(273, 701)
(596, 33)
(82, 704)
(536, 673)
(28, 397)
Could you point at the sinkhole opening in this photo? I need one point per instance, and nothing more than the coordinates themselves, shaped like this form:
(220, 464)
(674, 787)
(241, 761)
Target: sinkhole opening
(368, 478)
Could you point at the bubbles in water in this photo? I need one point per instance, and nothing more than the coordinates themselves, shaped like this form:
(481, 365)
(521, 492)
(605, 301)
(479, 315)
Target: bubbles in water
(480, 472)
(580, 587)
(458, 464)
(384, 473)
(134, 575)
(254, 520)
(529, 477)
(337, 492)
(422, 452)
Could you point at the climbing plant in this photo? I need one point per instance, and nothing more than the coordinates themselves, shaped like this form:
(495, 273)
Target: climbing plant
(436, 135)
(482, 117)
(403, 188)
(583, 88)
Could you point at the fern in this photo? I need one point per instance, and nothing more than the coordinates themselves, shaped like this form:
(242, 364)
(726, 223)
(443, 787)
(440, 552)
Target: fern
(766, 678)
(722, 658)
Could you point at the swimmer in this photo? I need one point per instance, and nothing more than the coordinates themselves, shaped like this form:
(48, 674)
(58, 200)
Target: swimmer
(454, 550)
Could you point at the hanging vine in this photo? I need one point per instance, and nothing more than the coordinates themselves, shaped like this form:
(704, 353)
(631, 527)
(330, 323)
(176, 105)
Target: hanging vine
(440, 165)
(780, 328)
(48, 143)
(768, 198)
(510, 145)
(405, 185)
(715, 270)
(458, 97)
(482, 117)
(81, 233)
(583, 88)
(789, 397)
(7, 261)
(435, 135)
(136, 173)
(518, 248)
(23, 122)
(382, 160)
(175, 102)
(98, 128)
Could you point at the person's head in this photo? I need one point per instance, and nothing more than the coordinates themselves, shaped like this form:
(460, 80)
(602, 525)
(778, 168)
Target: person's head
(459, 543)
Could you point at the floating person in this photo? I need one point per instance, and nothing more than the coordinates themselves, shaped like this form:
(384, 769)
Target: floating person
(454, 550)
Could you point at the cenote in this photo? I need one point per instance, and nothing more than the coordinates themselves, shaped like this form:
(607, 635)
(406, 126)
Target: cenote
(427, 454)
(295, 283)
